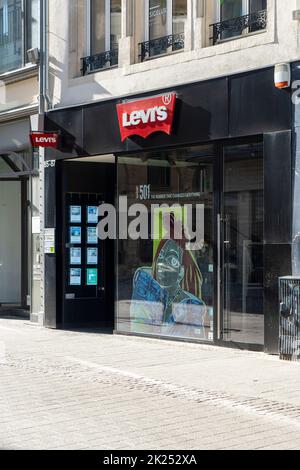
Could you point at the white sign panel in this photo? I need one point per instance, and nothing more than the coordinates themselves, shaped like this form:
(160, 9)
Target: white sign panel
(49, 244)
(36, 225)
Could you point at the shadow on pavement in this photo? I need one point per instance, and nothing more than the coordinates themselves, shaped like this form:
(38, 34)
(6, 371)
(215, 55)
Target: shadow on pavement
(94, 330)
(12, 313)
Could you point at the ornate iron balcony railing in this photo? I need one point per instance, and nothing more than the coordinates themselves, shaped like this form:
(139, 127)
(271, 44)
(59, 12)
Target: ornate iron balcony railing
(237, 26)
(100, 61)
(163, 45)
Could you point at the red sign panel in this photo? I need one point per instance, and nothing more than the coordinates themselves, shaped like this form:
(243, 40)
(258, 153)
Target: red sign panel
(39, 139)
(144, 117)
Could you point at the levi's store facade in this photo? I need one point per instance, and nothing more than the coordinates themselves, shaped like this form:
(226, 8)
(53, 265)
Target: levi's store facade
(223, 148)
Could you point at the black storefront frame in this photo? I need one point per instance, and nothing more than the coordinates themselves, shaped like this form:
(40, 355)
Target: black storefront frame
(219, 145)
(238, 107)
(219, 194)
(218, 172)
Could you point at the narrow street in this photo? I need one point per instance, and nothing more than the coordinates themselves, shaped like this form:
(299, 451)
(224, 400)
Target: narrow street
(86, 390)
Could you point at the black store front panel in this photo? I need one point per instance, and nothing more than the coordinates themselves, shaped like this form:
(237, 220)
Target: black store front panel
(82, 268)
(227, 111)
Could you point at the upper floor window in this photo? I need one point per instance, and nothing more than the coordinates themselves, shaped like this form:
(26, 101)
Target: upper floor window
(104, 32)
(165, 23)
(19, 31)
(237, 17)
(105, 25)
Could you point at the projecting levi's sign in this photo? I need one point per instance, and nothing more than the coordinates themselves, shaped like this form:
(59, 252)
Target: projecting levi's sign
(144, 117)
(39, 139)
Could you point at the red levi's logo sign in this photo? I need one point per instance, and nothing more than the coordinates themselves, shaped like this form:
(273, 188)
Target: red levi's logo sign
(39, 139)
(144, 117)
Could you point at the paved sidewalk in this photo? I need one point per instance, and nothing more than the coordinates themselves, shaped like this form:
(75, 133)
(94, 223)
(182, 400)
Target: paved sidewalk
(71, 390)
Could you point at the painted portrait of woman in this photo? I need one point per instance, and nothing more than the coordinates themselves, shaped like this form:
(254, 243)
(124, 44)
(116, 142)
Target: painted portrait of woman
(174, 284)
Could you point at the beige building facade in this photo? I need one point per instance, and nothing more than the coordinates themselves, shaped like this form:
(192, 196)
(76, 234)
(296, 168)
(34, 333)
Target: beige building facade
(200, 57)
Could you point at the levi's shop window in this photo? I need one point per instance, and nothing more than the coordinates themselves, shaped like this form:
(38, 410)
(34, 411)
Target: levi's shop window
(166, 282)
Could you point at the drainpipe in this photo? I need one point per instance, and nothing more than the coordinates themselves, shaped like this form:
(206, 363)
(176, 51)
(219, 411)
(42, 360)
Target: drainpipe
(43, 57)
(42, 110)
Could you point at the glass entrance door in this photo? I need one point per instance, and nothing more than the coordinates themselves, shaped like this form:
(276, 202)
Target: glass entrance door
(243, 232)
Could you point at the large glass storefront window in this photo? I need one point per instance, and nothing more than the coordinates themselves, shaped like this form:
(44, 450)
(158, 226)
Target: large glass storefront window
(243, 215)
(165, 284)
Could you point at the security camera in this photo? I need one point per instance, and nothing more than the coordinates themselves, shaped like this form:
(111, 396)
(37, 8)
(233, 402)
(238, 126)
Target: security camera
(33, 55)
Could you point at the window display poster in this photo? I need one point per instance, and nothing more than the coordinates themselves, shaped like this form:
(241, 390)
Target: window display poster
(92, 238)
(92, 277)
(75, 235)
(75, 277)
(75, 214)
(174, 281)
(92, 214)
(92, 256)
(75, 256)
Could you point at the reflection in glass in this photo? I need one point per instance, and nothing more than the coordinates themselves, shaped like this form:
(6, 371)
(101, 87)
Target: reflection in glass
(164, 288)
(115, 23)
(231, 9)
(179, 15)
(105, 25)
(244, 243)
(11, 44)
(158, 24)
(166, 26)
(98, 11)
(32, 9)
(257, 5)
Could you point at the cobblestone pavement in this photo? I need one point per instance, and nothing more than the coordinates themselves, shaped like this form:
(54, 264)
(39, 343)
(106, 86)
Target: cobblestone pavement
(86, 390)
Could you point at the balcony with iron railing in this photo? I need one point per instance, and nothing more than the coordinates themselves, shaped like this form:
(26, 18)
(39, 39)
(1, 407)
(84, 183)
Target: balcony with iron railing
(97, 62)
(222, 31)
(161, 46)
(240, 26)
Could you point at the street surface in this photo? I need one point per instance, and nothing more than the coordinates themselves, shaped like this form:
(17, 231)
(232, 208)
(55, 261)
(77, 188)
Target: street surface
(86, 390)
